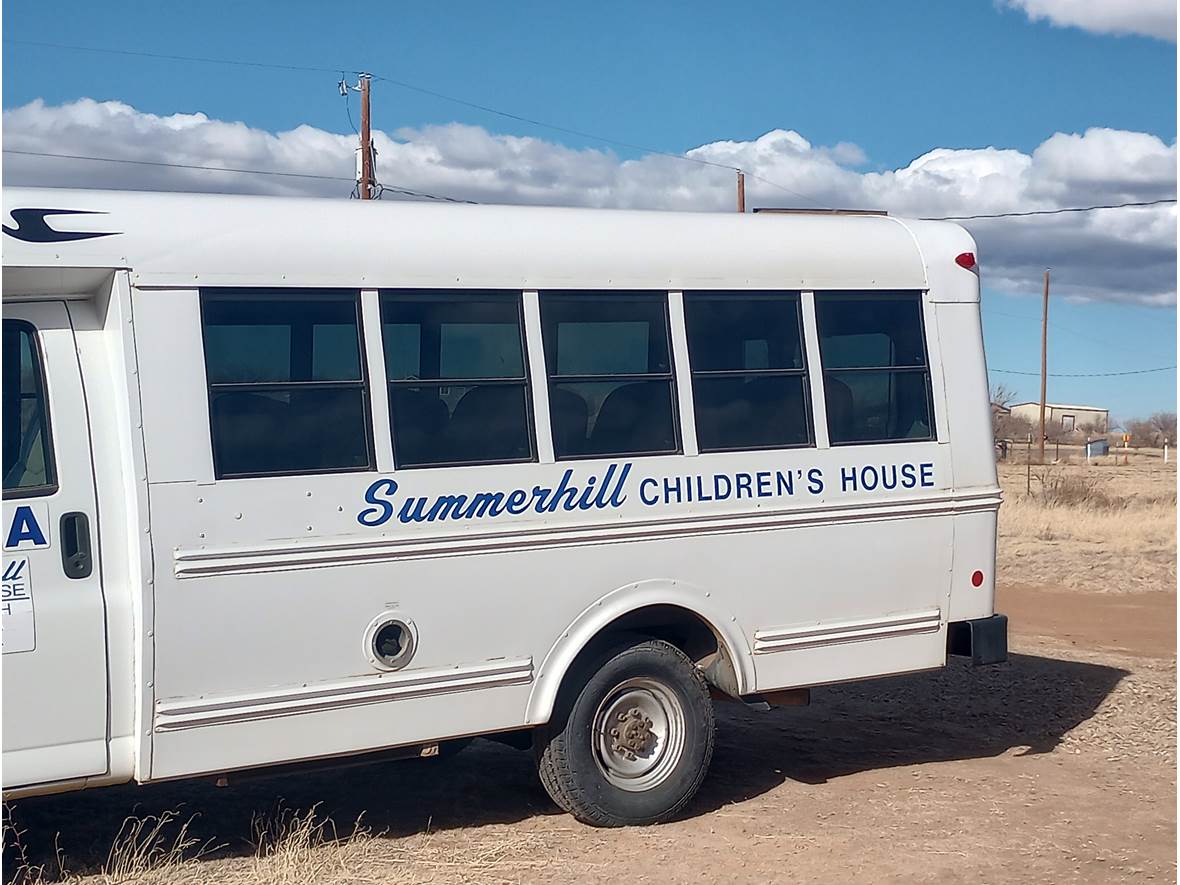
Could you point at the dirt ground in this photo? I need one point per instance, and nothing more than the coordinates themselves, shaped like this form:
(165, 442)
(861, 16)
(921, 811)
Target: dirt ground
(1057, 767)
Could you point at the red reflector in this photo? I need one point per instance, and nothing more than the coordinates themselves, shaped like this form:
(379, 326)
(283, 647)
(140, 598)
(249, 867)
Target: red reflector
(977, 578)
(965, 259)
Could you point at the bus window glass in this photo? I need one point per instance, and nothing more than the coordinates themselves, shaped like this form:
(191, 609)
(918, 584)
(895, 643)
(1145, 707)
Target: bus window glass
(458, 390)
(28, 455)
(876, 377)
(610, 374)
(749, 381)
(287, 392)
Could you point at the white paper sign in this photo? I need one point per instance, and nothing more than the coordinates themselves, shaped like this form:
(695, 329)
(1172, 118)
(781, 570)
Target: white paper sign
(17, 632)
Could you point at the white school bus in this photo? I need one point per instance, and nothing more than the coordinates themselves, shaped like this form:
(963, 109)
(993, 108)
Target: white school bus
(290, 480)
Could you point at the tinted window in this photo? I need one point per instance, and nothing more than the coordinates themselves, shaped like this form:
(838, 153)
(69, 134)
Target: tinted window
(458, 389)
(876, 378)
(28, 454)
(610, 373)
(749, 384)
(286, 382)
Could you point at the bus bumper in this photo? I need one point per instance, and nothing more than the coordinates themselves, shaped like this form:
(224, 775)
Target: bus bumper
(984, 640)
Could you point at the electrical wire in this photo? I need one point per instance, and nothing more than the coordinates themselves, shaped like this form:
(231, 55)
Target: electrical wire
(1051, 211)
(396, 188)
(1085, 374)
(413, 87)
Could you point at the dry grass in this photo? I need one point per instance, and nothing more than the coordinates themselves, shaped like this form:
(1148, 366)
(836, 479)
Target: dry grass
(293, 847)
(1103, 527)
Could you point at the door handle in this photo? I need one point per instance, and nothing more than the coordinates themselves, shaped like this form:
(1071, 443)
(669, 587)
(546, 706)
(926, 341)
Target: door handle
(76, 560)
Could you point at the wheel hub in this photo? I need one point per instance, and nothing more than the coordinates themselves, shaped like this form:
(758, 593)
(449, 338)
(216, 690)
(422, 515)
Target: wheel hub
(632, 736)
(639, 734)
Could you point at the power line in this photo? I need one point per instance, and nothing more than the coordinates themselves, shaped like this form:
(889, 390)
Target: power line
(1085, 374)
(396, 188)
(413, 87)
(1050, 211)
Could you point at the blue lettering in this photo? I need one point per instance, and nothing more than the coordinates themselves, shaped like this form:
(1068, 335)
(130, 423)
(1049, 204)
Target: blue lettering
(25, 528)
(763, 483)
(585, 502)
(746, 482)
(564, 489)
(815, 481)
(909, 478)
(669, 488)
(381, 511)
(618, 496)
(701, 496)
(847, 478)
(889, 476)
(927, 474)
(485, 504)
(642, 494)
(864, 478)
(717, 493)
(518, 502)
(447, 505)
(785, 482)
(412, 510)
(541, 495)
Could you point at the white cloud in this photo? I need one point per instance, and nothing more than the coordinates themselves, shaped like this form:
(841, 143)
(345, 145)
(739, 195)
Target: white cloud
(1126, 254)
(1148, 18)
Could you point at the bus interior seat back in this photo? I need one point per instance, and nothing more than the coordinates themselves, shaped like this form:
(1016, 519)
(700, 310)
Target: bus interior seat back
(634, 417)
(570, 416)
(489, 413)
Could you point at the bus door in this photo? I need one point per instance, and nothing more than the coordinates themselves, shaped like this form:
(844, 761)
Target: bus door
(54, 624)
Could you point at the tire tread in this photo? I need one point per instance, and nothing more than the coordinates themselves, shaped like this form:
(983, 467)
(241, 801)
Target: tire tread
(553, 766)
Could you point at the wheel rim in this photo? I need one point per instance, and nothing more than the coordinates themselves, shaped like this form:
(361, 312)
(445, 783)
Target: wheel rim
(638, 734)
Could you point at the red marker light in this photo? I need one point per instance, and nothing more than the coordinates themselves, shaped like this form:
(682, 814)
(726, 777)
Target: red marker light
(977, 578)
(965, 260)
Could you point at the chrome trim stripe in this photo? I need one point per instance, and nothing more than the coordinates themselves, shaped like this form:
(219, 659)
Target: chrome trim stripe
(816, 635)
(294, 554)
(191, 713)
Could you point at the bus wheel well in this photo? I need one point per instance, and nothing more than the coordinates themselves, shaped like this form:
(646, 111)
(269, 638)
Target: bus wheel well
(682, 628)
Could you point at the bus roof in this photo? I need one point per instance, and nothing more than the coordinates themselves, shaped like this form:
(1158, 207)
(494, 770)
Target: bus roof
(192, 240)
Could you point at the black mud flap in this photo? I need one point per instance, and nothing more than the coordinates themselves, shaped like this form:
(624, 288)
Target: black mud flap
(984, 640)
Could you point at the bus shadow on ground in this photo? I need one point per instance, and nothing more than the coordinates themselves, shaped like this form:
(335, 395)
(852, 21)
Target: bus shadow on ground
(957, 713)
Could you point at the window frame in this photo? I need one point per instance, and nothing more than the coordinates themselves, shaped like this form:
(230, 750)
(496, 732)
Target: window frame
(53, 484)
(918, 295)
(552, 378)
(752, 295)
(208, 294)
(459, 296)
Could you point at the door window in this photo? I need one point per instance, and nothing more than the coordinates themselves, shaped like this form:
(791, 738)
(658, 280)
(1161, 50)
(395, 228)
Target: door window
(28, 452)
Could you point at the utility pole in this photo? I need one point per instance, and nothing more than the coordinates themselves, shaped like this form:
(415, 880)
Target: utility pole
(1044, 363)
(365, 185)
(741, 191)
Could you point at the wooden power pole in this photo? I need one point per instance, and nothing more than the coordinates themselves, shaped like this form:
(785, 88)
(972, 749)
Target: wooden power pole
(366, 183)
(741, 191)
(1044, 364)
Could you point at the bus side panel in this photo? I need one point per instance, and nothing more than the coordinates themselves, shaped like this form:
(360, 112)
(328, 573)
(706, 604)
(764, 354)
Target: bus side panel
(973, 453)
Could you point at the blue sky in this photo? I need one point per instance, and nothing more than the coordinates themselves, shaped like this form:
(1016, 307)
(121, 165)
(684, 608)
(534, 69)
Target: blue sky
(895, 79)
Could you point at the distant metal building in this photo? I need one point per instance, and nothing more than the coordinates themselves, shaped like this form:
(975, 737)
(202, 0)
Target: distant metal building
(1061, 418)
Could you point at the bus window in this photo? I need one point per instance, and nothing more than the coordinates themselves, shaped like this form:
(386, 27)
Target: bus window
(28, 454)
(749, 377)
(610, 374)
(287, 390)
(876, 377)
(458, 388)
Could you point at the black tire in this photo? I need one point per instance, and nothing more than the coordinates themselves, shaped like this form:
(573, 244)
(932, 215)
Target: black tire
(580, 766)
